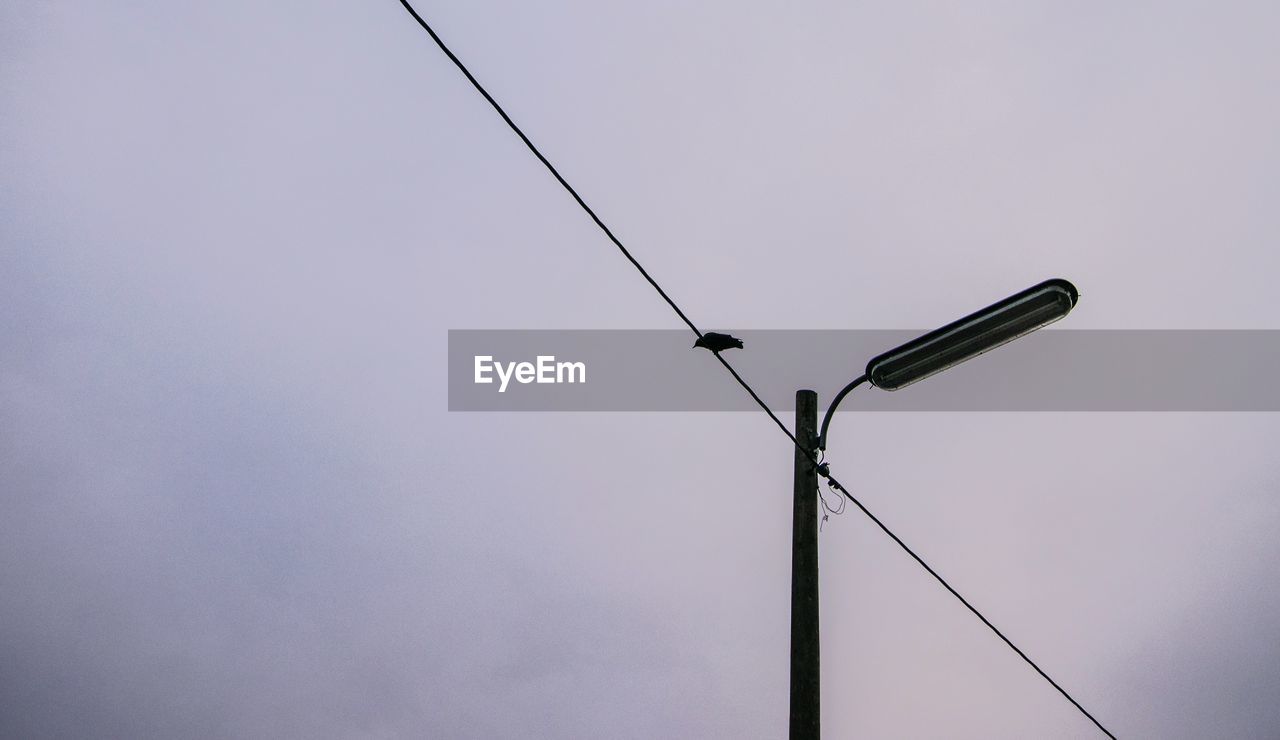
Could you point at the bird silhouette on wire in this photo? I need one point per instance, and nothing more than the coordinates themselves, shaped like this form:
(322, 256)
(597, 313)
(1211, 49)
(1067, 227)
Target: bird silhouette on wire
(717, 342)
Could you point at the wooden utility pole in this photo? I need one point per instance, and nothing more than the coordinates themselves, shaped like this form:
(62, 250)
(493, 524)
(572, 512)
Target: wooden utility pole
(804, 577)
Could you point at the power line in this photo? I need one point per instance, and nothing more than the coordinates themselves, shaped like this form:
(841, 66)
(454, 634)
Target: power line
(603, 227)
(550, 167)
(836, 484)
(822, 468)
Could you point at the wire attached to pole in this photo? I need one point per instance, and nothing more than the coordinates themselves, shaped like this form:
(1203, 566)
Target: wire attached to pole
(819, 464)
(590, 212)
(836, 484)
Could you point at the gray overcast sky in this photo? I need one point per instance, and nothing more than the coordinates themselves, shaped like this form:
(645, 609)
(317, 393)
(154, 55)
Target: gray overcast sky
(233, 236)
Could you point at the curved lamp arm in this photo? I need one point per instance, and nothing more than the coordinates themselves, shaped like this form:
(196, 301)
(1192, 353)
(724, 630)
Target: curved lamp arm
(826, 419)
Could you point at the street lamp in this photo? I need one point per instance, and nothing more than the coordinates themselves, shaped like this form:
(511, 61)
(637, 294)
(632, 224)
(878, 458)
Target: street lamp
(916, 360)
(979, 332)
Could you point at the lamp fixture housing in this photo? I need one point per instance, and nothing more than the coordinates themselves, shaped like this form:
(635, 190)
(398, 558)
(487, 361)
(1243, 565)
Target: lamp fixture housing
(979, 332)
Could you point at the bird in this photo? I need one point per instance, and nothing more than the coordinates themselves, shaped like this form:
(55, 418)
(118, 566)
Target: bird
(717, 342)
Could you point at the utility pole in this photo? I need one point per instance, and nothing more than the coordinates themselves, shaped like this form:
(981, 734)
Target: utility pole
(804, 576)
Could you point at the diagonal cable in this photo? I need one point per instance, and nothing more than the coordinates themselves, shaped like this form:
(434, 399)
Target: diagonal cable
(547, 163)
(594, 217)
(836, 484)
(822, 469)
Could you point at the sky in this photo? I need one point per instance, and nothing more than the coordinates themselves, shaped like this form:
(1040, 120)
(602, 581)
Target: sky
(234, 236)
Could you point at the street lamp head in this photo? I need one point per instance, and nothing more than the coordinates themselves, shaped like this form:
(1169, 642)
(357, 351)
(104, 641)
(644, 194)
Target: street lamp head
(976, 333)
